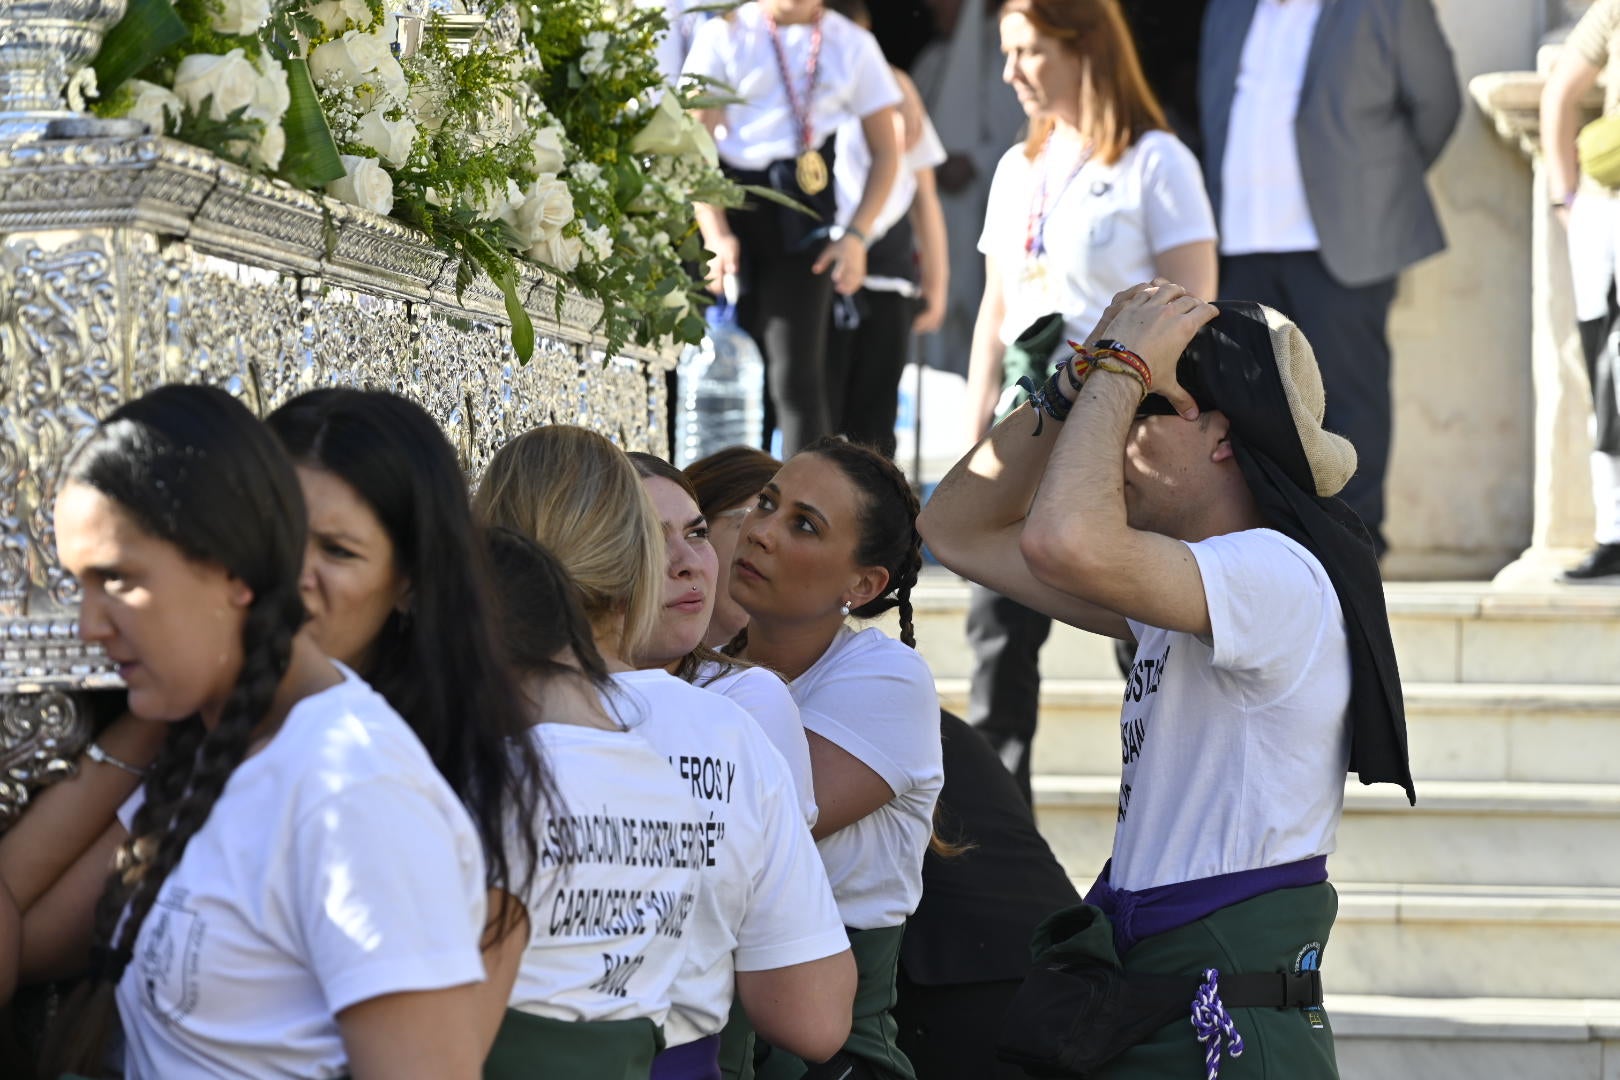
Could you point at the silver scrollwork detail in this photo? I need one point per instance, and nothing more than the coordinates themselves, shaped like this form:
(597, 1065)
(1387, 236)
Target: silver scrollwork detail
(40, 736)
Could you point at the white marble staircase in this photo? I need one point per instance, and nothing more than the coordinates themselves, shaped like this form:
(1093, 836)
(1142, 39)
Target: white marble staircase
(1479, 932)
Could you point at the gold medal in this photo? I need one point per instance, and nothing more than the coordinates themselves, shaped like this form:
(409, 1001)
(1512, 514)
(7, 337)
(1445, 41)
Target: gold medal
(811, 172)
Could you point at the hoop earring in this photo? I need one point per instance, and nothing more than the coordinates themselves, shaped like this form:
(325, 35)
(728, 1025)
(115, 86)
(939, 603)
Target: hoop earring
(843, 609)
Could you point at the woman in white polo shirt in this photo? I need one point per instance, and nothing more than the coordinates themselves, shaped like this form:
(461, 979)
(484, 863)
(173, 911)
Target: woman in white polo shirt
(1099, 197)
(765, 925)
(799, 72)
(832, 535)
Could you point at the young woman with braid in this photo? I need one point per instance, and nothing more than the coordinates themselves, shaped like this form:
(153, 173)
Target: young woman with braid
(396, 588)
(727, 483)
(676, 644)
(833, 535)
(299, 891)
(765, 925)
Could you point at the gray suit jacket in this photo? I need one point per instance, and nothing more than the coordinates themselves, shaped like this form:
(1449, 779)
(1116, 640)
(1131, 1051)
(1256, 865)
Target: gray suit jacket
(1379, 101)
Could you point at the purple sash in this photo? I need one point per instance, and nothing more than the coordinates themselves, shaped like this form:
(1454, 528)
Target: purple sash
(696, 1060)
(1138, 915)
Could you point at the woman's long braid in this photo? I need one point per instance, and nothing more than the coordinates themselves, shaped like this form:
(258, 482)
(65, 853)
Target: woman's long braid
(181, 790)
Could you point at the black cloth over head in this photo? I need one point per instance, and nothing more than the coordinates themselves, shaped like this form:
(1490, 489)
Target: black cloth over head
(1232, 366)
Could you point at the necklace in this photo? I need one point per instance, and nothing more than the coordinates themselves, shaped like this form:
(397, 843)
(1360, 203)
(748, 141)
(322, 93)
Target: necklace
(811, 168)
(1039, 209)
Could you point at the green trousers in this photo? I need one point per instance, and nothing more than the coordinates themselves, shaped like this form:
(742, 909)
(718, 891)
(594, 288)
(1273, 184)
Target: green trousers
(528, 1047)
(873, 1035)
(1280, 931)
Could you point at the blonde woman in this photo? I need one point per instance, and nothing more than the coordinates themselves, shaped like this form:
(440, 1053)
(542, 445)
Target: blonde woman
(765, 921)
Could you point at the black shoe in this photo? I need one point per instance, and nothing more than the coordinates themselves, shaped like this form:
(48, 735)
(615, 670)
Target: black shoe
(1601, 562)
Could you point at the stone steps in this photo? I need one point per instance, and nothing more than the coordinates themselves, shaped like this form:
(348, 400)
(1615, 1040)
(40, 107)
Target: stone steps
(1457, 731)
(1475, 1038)
(1444, 633)
(1462, 832)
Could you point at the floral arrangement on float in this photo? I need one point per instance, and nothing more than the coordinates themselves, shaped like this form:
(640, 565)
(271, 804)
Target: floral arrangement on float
(535, 131)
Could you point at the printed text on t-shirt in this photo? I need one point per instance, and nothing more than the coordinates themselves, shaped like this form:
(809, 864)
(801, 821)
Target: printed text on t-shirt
(1133, 727)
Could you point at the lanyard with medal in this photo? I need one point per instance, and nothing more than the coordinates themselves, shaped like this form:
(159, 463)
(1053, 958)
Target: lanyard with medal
(1039, 211)
(811, 168)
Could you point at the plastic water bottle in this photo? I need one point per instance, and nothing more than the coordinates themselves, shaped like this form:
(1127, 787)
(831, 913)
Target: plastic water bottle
(721, 385)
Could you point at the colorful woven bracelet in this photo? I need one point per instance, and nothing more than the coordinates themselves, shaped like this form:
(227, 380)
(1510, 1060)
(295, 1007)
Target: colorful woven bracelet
(1119, 351)
(1107, 362)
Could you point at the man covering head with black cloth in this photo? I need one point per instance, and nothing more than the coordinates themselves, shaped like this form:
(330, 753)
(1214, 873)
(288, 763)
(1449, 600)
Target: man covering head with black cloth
(1174, 486)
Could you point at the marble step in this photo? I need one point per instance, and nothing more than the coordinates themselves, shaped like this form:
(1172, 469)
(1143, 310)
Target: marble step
(1456, 731)
(1457, 941)
(1477, 1038)
(1445, 632)
(1462, 832)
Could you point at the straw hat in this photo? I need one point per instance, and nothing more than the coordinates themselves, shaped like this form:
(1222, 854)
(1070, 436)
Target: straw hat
(1331, 457)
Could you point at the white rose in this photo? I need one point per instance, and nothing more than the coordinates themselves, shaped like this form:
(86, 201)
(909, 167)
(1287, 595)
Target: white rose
(154, 105)
(557, 251)
(336, 15)
(391, 139)
(365, 184)
(230, 80)
(333, 63)
(270, 93)
(548, 205)
(548, 151)
(240, 16)
(371, 50)
(678, 300)
(272, 144)
(391, 75)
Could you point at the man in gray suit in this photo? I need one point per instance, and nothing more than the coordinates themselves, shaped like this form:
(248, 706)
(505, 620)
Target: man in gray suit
(1320, 118)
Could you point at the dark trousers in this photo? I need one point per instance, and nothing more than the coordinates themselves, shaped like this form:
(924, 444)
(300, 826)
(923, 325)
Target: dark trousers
(1346, 326)
(1005, 696)
(864, 364)
(1600, 343)
(785, 308)
(949, 1032)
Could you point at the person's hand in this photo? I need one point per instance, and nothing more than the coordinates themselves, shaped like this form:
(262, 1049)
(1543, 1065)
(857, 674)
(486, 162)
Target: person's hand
(932, 315)
(1156, 321)
(846, 257)
(727, 257)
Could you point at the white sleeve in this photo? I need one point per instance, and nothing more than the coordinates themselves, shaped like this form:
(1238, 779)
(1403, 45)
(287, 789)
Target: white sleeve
(880, 707)
(999, 209)
(764, 696)
(1175, 205)
(874, 86)
(792, 917)
(1266, 603)
(929, 153)
(707, 55)
(132, 806)
(386, 895)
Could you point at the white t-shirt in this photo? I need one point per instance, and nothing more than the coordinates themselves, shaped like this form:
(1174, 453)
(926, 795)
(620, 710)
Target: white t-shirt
(873, 697)
(337, 866)
(1102, 233)
(853, 81)
(621, 858)
(1235, 749)
(764, 902)
(854, 161)
(764, 695)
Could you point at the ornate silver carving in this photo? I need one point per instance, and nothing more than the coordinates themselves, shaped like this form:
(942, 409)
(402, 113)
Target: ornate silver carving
(40, 735)
(43, 45)
(129, 263)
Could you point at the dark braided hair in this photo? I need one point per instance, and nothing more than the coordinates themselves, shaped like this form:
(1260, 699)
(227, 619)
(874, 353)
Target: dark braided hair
(888, 523)
(440, 667)
(192, 467)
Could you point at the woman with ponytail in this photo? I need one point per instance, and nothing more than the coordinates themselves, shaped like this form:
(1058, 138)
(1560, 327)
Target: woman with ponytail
(298, 892)
(396, 586)
(833, 534)
(764, 927)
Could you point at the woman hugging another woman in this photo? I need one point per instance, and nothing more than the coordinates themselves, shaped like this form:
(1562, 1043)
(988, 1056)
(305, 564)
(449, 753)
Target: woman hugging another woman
(765, 926)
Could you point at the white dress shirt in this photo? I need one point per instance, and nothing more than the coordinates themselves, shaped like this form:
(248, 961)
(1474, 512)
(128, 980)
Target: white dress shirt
(1263, 205)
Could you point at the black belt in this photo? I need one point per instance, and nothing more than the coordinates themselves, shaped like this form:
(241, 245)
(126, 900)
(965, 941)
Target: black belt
(1262, 990)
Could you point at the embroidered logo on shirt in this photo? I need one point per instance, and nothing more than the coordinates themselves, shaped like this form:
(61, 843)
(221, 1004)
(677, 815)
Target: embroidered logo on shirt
(1310, 959)
(169, 956)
